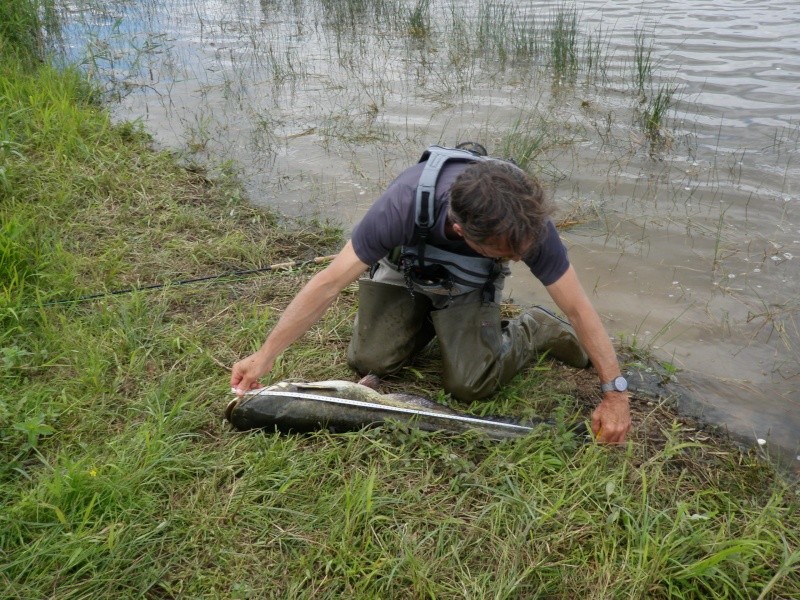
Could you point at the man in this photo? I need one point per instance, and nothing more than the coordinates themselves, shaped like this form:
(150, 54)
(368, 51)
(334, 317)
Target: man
(437, 263)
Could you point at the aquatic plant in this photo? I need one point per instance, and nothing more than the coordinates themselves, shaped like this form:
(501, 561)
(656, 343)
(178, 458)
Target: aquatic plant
(564, 43)
(655, 111)
(28, 28)
(419, 19)
(524, 141)
(642, 61)
(596, 55)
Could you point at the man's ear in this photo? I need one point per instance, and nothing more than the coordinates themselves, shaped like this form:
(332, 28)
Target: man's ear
(458, 230)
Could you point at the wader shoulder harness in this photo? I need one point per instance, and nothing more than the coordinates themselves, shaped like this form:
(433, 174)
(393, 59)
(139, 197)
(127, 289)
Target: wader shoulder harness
(431, 269)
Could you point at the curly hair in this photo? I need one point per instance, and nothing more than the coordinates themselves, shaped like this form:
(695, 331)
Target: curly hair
(494, 199)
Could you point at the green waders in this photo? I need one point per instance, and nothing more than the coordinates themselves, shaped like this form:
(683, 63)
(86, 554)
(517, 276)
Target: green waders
(479, 351)
(391, 327)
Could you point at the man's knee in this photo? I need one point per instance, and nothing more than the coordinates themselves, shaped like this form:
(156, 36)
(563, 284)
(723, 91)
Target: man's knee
(366, 363)
(469, 390)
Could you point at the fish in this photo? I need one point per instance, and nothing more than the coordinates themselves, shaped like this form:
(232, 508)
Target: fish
(340, 406)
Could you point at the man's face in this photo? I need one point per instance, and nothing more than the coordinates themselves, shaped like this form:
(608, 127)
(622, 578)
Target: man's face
(495, 248)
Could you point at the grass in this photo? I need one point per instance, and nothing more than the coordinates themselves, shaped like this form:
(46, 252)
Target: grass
(564, 43)
(642, 61)
(22, 29)
(524, 142)
(118, 478)
(419, 20)
(654, 114)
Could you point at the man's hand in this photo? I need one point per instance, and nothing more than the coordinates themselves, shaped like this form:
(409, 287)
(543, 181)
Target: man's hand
(303, 311)
(246, 373)
(611, 420)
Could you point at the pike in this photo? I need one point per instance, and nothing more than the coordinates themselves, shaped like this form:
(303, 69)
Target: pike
(346, 406)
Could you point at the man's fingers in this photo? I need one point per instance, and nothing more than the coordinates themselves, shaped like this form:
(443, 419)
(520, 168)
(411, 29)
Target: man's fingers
(245, 385)
(596, 425)
(612, 435)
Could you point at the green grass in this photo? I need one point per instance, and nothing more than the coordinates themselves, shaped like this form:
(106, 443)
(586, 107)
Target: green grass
(642, 61)
(524, 141)
(419, 19)
(564, 43)
(654, 114)
(118, 478)
(21, 32)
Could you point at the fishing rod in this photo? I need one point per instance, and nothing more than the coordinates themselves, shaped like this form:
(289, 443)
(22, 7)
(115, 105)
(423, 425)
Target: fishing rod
(294, 264)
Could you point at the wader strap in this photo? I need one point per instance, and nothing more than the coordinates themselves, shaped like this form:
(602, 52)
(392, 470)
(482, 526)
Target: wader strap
(488, 291)
(434, 157)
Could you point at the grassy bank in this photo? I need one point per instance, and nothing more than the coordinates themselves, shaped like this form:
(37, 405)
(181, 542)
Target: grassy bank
(118, 478)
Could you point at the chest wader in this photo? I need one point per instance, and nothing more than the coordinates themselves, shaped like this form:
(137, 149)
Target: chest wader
(480, 352)
(390, 328)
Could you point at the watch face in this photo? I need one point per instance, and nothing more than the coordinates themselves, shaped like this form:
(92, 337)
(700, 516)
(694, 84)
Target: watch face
(620, 384)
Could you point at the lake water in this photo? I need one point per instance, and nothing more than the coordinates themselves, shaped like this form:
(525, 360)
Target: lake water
(689, 234)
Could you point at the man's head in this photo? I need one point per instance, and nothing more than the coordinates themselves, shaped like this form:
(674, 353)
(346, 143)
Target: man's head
(498, 209)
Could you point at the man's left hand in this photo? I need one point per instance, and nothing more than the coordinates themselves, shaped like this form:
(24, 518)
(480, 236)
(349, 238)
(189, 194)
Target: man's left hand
(611, 420)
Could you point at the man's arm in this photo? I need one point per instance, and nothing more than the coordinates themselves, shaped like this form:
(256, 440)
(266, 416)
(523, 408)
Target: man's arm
(303, 311)
(611, 420)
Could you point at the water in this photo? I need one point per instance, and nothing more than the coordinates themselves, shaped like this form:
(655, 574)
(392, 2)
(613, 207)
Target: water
(689, 242)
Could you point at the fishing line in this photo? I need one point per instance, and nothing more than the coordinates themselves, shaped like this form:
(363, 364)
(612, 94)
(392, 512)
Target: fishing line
(295, 264)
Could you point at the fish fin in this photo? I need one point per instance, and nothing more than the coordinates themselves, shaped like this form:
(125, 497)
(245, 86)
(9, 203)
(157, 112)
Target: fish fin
(333, 384)
(371, 381)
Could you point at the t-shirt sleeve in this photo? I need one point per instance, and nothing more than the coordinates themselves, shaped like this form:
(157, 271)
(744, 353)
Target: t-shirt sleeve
(387, 224)
(550, 260)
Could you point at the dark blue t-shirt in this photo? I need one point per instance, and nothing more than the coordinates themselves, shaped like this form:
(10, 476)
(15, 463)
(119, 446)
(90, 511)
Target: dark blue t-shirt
(390, 223)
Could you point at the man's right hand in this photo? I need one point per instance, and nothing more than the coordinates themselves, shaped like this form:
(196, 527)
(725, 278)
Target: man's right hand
(303, 311)
(246, 373)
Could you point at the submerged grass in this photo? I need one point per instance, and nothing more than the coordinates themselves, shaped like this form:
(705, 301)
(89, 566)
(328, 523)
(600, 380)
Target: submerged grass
(118, 478)
(654, 114)
(564, 43)
(642, 61)
(419, 20)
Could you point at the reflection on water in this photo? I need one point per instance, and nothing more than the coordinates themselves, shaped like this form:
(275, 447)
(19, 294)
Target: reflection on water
(691, 240)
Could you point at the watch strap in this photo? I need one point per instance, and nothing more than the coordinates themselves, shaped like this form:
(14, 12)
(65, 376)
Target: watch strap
(618, 384)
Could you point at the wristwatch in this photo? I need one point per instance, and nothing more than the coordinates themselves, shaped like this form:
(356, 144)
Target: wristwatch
(620, 384)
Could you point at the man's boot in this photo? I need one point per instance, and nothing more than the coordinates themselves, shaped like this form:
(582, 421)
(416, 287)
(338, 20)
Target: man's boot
(480, 352)
(390, 327)
(556, 337)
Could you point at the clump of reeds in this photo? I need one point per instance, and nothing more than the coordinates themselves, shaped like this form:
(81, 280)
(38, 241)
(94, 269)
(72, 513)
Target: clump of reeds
(525, 140)
(419, 19)
(654, 114)
(26, 26)
(564, 43)
(596, 55)
(642, 61)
